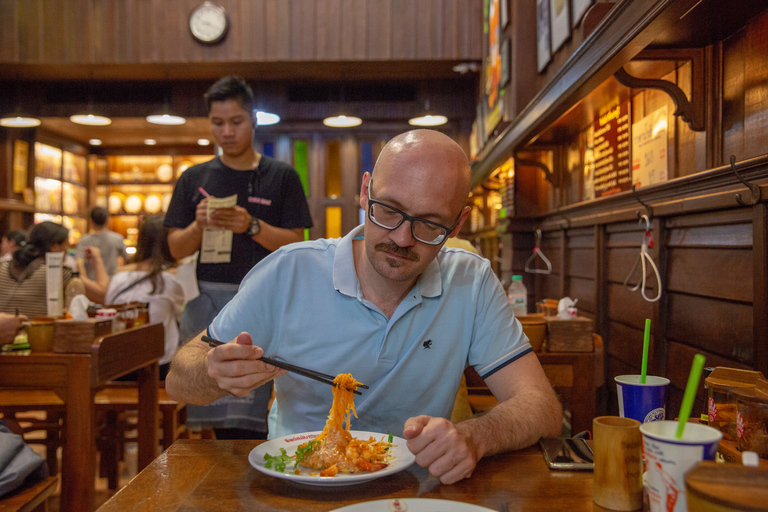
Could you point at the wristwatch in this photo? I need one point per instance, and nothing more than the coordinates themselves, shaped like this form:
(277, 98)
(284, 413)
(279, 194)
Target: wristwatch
(254, 227)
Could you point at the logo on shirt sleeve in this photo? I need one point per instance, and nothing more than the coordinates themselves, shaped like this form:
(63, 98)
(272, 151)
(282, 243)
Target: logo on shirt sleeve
(427, 344)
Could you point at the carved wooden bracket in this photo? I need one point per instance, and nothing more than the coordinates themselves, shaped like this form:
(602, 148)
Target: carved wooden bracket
(548, 174)
(693, 111)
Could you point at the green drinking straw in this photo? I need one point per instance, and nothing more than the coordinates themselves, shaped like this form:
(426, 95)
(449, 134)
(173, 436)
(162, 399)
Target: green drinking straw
(690, 394)
(646, 339)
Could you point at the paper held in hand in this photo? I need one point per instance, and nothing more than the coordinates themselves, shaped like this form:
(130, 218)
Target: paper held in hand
(217, 242)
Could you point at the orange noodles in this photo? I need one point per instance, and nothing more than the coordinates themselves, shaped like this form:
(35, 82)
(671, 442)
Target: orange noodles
(334, 449)
(343, 404)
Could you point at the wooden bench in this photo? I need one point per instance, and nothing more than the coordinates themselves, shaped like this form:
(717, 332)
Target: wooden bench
(110, 403)
(30, 498)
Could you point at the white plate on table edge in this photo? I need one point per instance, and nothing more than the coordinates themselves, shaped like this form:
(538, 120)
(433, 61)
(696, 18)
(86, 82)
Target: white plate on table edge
(412, 505)
(403, 459)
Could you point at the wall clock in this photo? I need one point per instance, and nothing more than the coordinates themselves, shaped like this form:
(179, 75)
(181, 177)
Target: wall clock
(208, 23)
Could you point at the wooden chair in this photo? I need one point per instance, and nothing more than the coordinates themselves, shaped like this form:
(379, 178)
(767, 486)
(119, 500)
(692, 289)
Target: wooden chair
(111, 402)
(30, 498)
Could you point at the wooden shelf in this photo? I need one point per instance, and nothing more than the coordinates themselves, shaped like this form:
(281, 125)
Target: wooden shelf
(13, 205)
(557, 111)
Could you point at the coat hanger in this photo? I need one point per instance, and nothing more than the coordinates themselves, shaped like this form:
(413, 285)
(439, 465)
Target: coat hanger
(644, 259)
(537, 252)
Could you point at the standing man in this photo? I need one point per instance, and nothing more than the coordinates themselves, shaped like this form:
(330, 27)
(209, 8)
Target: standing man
(110, 244)
(271, 212)
(393, 307)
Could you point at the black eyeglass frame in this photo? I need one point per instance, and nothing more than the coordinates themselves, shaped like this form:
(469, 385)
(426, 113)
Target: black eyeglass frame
(404, 216)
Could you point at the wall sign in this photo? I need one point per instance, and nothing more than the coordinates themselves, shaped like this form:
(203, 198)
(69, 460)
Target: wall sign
(560, 22)
(649, 149)
(543, 49)
(492, 89)
(611, 151)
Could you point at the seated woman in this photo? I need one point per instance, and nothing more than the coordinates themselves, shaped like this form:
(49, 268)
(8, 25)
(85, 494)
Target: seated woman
(152, 279)
(23, 279)
(10, 243)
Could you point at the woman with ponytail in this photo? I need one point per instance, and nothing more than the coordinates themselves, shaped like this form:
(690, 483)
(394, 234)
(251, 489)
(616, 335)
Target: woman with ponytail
(23, 279)
(152, 279)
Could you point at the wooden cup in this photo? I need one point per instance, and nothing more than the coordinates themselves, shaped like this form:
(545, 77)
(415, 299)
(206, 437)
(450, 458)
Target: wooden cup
(618, 473)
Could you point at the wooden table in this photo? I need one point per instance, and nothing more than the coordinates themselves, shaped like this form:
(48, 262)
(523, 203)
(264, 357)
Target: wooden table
(76, 378)
(216, 475)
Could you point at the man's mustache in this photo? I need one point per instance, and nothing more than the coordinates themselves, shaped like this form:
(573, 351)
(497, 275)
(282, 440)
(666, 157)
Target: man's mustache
(392, 247)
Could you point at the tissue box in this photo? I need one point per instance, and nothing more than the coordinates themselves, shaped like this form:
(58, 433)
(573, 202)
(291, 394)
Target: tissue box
(574, 335)
(78, 336)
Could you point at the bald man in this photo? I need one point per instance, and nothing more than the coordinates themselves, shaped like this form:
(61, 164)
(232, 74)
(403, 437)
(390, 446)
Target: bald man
(391, 305)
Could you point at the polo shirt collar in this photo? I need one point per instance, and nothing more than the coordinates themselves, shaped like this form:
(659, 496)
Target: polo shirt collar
(345, 278)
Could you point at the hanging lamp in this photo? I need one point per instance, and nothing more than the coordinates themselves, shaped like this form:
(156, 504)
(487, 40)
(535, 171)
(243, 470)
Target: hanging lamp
(19, 118)
(342, 120)
(90, 118)
(165, 117)
(428, 118)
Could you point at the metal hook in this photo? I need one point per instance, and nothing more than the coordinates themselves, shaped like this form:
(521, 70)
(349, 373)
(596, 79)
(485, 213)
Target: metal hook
(538, 238)
(567, 223)
(648, 209)
(754, 190)
(644, 217)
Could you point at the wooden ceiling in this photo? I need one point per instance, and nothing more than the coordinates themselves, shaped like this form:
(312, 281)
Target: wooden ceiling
(131, 131)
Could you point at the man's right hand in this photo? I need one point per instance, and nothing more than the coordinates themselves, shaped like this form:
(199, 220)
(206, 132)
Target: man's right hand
(236, 366)
(201, 213)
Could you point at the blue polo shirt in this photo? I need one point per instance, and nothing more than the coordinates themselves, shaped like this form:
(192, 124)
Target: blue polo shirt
(303, 304)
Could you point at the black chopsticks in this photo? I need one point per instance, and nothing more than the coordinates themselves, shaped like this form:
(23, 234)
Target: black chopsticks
(320, 377)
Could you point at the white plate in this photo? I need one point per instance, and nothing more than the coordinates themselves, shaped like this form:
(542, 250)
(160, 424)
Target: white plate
(413, 505)
(403, 459)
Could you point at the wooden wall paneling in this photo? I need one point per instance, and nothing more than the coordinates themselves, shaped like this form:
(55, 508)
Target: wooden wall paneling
(450, 28)
(304, 18)
(29, 27)
(380, 29)
(760, 298)
(405, 29)
(582, 289)
(716, 326)
(278, 30)
(628, 307)
(562, 267)
(734, 61)
(8, 31)
(691, 145)
(329, 29)
(719, 273)
(252, 36)
(627, 347)
(679, 360)
(581, 263)
(125, 24)
(600, 290)
(78, 30)
(713, 58)
(354, 30)
(756, 87)
(54, 35)
(430, 19)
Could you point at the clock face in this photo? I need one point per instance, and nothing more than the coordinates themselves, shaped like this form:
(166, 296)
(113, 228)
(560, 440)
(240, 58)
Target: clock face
(208, 23)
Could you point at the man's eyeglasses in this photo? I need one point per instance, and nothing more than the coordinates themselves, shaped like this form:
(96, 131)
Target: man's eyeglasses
(389, 217)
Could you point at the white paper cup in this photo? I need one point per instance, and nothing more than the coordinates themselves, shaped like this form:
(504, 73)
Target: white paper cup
(668, 459)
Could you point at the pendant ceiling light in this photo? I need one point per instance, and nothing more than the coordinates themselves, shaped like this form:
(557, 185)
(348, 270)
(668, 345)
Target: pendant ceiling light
(342, 120)
(19, 121)
(165, 117)
(90, 120)
(428, 118)
(266, 118)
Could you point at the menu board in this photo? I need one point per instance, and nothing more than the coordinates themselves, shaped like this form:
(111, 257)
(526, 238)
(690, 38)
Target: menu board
(611, 151)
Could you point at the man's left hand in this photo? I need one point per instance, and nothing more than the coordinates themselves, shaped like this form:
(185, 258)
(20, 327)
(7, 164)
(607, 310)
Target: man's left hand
(449, 454)
(237, 219)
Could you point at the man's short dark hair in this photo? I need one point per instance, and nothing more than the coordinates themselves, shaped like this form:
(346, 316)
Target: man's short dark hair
(230, 88)
(99, 215)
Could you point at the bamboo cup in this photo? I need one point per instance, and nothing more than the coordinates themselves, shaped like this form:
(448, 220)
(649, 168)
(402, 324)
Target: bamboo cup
(618, 473)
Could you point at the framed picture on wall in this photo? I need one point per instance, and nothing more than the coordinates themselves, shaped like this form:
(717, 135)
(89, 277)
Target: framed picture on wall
(560, 22)
(504, 13)
(504, 62)
(543, 51)
(580, 7)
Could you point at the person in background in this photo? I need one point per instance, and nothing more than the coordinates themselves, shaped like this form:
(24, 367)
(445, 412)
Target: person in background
(152, 279)
(23, 279)
(271, 212)
(9, 326)
(10, 243)
(393, 307)
(109, 243)
(95, 289)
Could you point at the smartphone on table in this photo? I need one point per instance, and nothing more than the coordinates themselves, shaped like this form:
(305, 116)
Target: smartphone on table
(568, 453)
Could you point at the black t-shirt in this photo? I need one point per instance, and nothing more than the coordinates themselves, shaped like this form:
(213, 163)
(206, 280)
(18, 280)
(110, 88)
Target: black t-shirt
(272, 193)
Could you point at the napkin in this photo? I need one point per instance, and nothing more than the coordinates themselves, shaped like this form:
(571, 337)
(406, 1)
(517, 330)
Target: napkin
(78, 308)
(566, 308)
